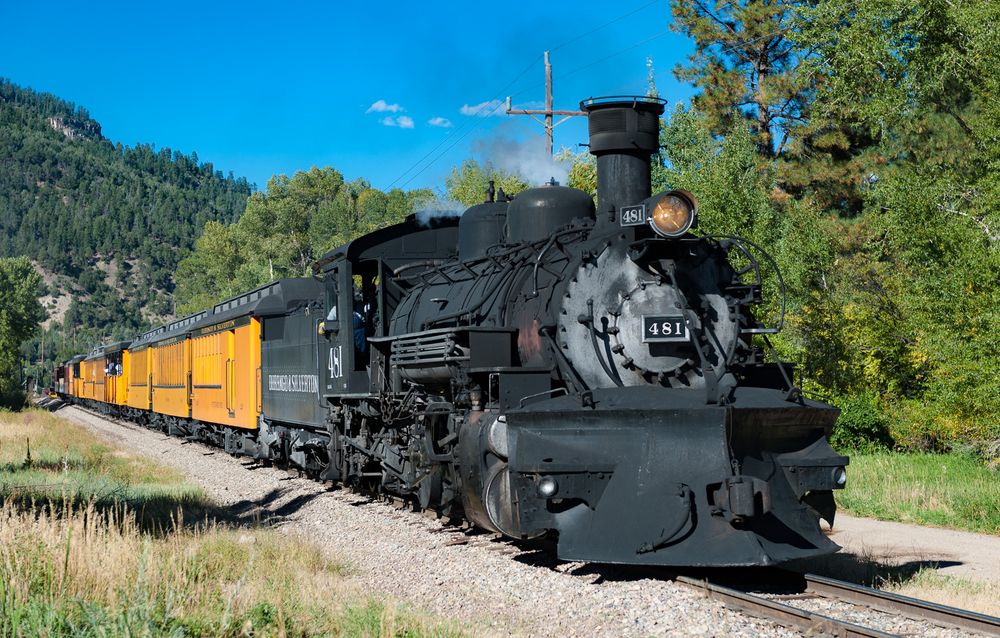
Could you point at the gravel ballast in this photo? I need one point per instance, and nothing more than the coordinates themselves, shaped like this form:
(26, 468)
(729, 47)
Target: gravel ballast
(486, 585)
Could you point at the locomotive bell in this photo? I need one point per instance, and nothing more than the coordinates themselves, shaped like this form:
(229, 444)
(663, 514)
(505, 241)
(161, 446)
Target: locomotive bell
(624, 133)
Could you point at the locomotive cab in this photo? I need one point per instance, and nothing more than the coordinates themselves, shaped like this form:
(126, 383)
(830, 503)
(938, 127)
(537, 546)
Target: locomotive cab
(364, 282)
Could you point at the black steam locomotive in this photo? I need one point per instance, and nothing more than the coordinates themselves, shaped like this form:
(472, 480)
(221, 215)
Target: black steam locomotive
(542, 366)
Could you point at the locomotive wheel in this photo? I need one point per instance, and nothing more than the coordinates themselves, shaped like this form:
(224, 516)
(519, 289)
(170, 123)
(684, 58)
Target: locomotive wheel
(429, 487)
(429, 490)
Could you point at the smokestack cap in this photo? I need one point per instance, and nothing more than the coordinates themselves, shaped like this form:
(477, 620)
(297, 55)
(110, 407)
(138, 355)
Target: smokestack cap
(624, 124)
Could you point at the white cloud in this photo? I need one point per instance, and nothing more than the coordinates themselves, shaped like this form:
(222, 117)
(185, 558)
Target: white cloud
(484, 109)
(381, 106)
(441, 122)
(402, 121)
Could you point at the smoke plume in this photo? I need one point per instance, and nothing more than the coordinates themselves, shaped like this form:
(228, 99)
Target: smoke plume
(438, 208)
(524, 157)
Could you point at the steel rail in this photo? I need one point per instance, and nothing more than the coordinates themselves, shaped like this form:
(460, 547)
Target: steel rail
(898, 604)
(784, 614)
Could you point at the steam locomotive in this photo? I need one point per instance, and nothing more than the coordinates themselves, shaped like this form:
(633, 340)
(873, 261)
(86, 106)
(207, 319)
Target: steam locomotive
(540, 367)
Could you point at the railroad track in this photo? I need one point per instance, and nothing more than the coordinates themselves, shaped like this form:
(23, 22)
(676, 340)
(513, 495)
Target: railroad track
(822, 587)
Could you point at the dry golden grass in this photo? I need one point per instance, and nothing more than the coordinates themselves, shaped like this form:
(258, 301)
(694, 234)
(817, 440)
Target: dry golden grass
(94, 567)
(43, 457)
(929, 584)
(919, 580)
(80, 570)
(52, 443)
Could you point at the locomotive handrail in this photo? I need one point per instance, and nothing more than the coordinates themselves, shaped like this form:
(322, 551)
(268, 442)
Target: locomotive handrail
(520, 403)
(739, 241)
(416, 264)
(588, 321)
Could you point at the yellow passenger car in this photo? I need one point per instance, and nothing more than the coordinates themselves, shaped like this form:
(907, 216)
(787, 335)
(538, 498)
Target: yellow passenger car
(225, 387)
(115, 373)
(103, 374)
(140, 383)
(92, 371)
(76, 376)
(170, 363)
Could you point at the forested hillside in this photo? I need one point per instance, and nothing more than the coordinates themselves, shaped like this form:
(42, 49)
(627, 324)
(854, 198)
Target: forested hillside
(104, 223)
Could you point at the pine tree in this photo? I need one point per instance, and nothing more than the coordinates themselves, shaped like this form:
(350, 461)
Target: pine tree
(749, 64)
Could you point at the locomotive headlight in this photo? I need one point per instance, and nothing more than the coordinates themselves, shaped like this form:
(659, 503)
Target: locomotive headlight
(547, 487)
(840, 477)
(674, 214)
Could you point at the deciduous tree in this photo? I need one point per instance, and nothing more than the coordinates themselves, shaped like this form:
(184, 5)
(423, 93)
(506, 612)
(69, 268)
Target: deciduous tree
(467, 183)
(20, 314)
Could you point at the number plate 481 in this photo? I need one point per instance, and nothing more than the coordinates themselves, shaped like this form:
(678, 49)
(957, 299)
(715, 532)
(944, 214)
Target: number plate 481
(661, 328)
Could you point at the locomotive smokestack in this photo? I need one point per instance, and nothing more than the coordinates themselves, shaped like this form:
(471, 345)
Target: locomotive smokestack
(624, 132)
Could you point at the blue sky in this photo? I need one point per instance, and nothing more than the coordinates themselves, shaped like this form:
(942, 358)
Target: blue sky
(265, 88)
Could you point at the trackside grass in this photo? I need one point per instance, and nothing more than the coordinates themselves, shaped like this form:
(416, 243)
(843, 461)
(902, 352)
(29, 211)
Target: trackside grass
(947, 490)
(45, 459)
(918, 581)
(79, 557)
(981, 596)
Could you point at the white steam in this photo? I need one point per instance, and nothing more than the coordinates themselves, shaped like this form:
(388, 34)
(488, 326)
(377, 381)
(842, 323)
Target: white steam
(438, 208)
(526, 158)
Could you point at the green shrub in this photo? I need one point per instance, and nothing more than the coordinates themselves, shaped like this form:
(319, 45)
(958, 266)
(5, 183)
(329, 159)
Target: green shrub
(862, 426)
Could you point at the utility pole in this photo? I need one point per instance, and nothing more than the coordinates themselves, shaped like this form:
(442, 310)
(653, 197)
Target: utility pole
(548, 112)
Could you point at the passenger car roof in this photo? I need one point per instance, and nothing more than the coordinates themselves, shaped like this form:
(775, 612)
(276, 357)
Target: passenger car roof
(279, 297)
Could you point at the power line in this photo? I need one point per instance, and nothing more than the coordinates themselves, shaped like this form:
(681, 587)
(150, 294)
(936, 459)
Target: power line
(452, 145)
(476, 121)
(599, 60)
(606, 24)
(477, 118)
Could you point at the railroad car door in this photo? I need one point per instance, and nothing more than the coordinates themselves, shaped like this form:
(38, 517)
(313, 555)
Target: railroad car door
(148, 353)
(110, 386)
(336, 325)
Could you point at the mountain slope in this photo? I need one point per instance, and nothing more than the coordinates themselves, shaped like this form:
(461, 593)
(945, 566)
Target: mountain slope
(106, 224)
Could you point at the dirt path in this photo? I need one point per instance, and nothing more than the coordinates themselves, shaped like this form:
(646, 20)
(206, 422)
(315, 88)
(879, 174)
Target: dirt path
(963, 554)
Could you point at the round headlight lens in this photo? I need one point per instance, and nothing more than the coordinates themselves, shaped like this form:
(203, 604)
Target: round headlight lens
(840, 477)
(673, 215)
